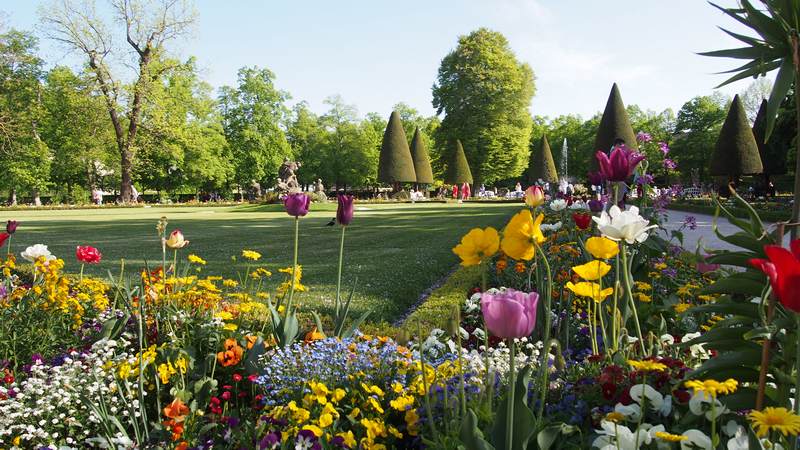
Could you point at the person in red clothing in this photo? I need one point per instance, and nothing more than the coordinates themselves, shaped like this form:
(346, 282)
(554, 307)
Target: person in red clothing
(465, 191)
(455, 191)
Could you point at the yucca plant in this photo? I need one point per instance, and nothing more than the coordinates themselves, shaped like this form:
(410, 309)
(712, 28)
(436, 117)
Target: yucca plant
(777, 46)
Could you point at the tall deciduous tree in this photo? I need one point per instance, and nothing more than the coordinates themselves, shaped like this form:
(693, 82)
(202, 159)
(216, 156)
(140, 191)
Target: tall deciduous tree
(696, 130)
(23, 155)
(350, 156)
(148, 25)
(253, 114)
(76, 130)
(484, 92)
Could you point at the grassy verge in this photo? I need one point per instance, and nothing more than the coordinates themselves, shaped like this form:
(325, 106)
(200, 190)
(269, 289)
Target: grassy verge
(396, 251)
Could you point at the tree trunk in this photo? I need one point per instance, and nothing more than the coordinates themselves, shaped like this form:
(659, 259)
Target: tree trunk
(12, 197)
(37, 201)
(796, 206)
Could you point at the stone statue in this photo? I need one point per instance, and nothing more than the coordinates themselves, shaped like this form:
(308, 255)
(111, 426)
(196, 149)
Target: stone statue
(319, 190)
(287, 179)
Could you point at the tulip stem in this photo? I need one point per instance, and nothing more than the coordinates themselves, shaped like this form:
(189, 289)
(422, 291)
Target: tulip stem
(294, 266)
(546, 350)
(614, 323)
(339, 275)
(81, 275)
(626, 273)
(510, 397)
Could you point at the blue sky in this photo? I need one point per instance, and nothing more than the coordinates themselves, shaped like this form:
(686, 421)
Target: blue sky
(377, 53)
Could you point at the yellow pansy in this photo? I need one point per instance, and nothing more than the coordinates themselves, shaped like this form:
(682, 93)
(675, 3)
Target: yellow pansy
(601, 247)
(325, 420)
(593, 270)
(348, 439)
(477, 245)
(589, 290)
(314, 429)
(520, 235)
(402, 403)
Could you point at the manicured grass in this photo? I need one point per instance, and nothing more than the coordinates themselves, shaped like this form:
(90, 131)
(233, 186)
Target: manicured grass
(396, 250)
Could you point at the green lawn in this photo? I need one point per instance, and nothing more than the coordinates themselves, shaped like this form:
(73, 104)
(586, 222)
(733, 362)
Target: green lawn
(396, 250)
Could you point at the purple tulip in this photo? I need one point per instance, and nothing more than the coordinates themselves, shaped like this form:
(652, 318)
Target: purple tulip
(11, 226)
(344, 213)
(510, 314)
(596, 205)
(596, 179)
(297, 204)
(620, 165)
(705, 267)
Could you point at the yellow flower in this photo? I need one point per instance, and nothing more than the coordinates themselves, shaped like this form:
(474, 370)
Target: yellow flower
(713, 387)
(775, 419)
(252, 255)
(325, 420)
(197, 260)
(644, 298)
(259, 273)
(642, 286)
(615, 417)
(593, 270)
(412, 421)
(230, 327)
(647, 365)
(669, 437)
(230, 283)
(680, 308)
(601, 247)
(520, 235)
(319, 391)
(589, 290)
(348, 439)
(224, 315)
(375, 404)
(402, 403)
(477, 245)
(314, 429)
(354, 414)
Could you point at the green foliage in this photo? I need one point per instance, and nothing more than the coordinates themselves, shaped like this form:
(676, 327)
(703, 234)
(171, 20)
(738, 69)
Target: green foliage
(579, 133)
(458, 168)
(422, 163)
(614, 125)
(252, 114)
(736, 152)
(438, 306)
(698, 124)
(484, 92)
(775, 151)
(396, 164)
(542, 166)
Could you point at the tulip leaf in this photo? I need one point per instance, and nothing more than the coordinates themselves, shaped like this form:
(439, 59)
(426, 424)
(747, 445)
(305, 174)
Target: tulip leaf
(524, 420)
(744, 359)
(748, 283)
(739, 259)
(471, 434)
(723, 308)
(547, 437)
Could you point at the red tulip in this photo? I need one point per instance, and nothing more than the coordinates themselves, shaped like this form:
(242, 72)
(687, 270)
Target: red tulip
(3, 238)
(582, 220)
(783, 270)
(11, 226)
(88, 255)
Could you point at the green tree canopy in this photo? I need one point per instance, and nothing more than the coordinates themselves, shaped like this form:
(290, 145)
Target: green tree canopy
(736, 152)
(422, 163)
(485, 92)
(542, 167)
(614, 125)
(396, 164)
(458, 171)
(697, 126)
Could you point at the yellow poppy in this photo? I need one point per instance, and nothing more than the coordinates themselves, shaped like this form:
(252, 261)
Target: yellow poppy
(589, 290)
(601, 247)
(477, 245)
(593, 270)
(520, 235)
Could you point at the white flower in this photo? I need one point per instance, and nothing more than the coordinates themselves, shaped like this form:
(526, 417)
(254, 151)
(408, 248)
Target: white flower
(551, 227)
(700, 403)
(579, 205)
(667, 339)
(628, 225)
(37, 251)
(654, 399)
(619, 437)
(632, 412)
(558, 204)
(697, 440)
(698, 350)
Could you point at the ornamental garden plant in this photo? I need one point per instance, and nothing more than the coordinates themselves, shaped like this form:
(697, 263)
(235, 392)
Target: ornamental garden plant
(585, 329)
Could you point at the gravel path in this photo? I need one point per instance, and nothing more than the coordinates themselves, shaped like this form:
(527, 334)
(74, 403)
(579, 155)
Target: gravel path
(703, 233)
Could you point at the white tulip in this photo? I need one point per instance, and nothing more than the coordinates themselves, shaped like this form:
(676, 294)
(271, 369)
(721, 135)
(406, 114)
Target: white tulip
(558, 204)
(37, 251)
(618, 225)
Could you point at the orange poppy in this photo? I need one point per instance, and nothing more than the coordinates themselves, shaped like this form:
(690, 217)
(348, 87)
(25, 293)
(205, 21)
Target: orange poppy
(176, 410)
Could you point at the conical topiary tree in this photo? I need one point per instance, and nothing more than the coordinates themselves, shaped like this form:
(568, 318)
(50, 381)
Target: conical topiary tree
(422, 163)
(774, 151)
(395, 165)
(613, 125)
(458, 168)
(541, 164)
(736, 152)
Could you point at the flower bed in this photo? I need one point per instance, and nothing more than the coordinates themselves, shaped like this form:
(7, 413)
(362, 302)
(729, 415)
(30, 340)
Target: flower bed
(571, 330)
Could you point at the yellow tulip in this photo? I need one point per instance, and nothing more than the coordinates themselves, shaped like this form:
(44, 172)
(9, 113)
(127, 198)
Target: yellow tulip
(176, 240)
(593, 270)
(589, 290)
(602, 248)
(477, 245)
(520, 235)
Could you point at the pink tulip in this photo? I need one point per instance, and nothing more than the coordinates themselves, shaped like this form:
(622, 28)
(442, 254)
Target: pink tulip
(297, 204)
(510, 314)
(534, 196)
(88, 255)
(620, 165)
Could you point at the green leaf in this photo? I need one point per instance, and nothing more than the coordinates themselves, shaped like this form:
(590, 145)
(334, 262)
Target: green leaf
(471, 436)
(524, 420)
(731, 258)
(761, 68)
(749, 283)
(783, 81)
(769, 28)
(354, 326)
(738, 53)
(727, 361)
(547, 437)
(746, 39)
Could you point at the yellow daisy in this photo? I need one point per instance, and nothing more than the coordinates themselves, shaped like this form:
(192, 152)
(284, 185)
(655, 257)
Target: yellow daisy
(775, 419)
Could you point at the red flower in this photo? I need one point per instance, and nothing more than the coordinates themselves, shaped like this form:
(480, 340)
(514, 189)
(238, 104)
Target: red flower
(582, 220)
(4, 237)
(88, 255)
(783, 270)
